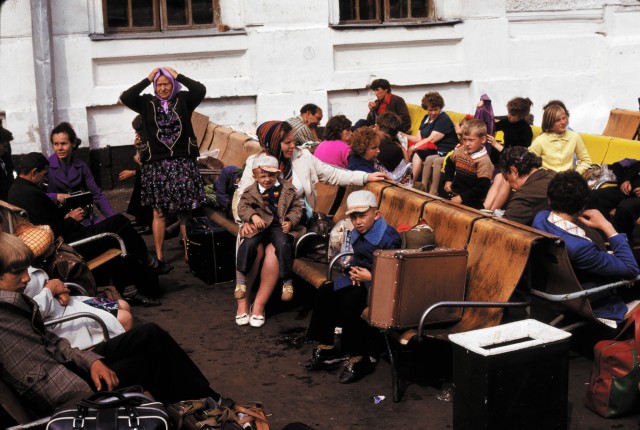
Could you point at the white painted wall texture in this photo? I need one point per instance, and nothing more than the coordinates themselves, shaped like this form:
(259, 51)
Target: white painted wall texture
(284, 53)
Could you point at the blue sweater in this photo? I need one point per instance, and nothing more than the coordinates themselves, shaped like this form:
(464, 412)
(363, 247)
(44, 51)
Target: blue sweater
(587, 260)
(380, 236)
(358, 163)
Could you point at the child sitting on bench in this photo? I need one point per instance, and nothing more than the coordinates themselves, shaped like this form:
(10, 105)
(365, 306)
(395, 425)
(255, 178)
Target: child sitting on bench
(341, 304)
(274, 208)
(468, 171)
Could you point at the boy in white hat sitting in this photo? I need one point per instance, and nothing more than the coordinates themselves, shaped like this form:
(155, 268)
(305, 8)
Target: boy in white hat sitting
(273, 207)
(341, 304)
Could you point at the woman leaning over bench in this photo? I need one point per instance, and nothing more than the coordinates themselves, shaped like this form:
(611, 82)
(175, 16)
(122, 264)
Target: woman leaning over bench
(303, 170)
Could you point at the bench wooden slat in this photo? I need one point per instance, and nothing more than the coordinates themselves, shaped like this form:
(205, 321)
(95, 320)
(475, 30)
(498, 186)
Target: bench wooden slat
(108, 255)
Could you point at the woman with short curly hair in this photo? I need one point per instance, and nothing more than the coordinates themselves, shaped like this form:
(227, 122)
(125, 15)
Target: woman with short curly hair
(365, 147)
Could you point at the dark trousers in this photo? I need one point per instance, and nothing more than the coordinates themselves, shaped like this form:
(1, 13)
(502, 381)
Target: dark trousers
(143, 214)
(148, 356)
(283, 243)
(627, 208)
(123, 272)
(343, 308)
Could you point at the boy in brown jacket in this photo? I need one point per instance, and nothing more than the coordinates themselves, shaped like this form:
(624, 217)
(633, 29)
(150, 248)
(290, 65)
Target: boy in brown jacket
(273, 207)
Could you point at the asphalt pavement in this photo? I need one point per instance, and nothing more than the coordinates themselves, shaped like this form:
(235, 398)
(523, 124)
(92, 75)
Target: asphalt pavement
(265, 364)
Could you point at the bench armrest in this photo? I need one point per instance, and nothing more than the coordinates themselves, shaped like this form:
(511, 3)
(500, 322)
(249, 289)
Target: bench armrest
(99, 237)
(464, 304)
(333, 262)
(583, 293)
(103, 326)
(76, 289)
(302, 239)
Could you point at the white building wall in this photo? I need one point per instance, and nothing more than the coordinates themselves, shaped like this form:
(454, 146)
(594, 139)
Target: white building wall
(284, 54)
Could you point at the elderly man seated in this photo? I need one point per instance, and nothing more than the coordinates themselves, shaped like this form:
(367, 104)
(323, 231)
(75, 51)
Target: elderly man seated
(46, 372)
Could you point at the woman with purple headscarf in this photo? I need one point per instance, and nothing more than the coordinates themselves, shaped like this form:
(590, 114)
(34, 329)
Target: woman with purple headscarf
(170, 177)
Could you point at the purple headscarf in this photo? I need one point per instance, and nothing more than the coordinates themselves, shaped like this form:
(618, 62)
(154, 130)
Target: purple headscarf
(176, 87)
(485, 113)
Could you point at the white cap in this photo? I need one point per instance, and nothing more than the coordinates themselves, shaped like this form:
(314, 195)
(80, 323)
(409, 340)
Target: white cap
(266, 163)
(360, 201)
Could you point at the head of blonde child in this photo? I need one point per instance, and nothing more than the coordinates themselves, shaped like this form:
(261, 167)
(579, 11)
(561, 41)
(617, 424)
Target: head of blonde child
(264, 178)
(265, 171)
(362, 209)
(474, 135)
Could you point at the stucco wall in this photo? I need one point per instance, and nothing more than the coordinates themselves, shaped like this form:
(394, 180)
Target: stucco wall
(284, 53)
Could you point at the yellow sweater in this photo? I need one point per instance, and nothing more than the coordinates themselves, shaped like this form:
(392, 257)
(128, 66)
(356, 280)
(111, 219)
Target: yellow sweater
(557, 151)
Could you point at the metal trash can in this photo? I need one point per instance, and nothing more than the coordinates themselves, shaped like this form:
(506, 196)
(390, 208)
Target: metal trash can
(513, 376)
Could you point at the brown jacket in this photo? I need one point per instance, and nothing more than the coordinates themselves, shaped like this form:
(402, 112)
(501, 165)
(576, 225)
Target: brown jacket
(396, 105)
(289, 207)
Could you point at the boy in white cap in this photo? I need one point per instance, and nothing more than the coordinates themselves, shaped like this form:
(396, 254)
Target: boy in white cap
(273, 207)
(341, 304)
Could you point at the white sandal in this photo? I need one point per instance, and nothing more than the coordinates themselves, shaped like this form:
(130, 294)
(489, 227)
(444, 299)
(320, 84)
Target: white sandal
(256, 320)
(242, 319)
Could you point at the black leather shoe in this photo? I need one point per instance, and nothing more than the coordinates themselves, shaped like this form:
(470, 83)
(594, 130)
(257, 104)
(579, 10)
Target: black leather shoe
(163, 268)
(323, 356)
(141, 300)
(156, 266)
(143, 229)
(356, 368)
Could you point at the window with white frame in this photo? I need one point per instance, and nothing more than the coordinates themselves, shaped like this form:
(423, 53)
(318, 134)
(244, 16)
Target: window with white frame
(159, 15)
(385, 11)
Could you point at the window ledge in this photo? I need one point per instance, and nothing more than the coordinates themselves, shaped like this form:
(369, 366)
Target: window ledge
(353, 26)
(208, 32)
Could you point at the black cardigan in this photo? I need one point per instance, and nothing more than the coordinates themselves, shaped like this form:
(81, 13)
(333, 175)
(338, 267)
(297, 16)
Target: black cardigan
(145, 105)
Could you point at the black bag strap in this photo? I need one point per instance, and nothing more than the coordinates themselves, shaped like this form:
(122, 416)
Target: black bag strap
(111, 399)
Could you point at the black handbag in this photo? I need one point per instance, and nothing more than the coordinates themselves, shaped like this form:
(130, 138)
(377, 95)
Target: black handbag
(113, 410)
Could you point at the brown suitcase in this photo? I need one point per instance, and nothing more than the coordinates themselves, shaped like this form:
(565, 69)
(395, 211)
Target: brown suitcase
(406, 282)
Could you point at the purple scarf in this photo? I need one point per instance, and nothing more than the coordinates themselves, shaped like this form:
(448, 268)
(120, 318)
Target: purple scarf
(176, 88)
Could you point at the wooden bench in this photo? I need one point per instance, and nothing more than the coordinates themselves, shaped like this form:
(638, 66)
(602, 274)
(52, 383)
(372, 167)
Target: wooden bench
(623, 123)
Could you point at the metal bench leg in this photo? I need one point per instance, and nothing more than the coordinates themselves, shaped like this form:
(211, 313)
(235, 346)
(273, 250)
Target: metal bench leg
(395, 371)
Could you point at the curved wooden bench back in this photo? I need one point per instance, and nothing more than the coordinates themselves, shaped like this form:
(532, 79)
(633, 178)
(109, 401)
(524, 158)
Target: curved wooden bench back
(207, 139)
(622, 123)
(220, 140)
(498, 255)
(234, 153)
(339, 215)
(451, 223)
(200, 123)
(400, 205)
(326, 196)
(553, 274)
